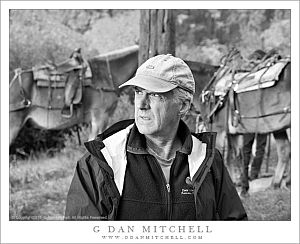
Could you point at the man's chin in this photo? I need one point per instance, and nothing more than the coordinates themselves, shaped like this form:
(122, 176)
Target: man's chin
(144, 128)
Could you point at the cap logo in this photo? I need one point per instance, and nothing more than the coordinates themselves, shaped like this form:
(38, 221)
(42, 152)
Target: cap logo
(150, 67)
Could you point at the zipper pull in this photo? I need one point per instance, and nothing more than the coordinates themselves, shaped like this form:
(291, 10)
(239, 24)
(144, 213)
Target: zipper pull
(168, 187)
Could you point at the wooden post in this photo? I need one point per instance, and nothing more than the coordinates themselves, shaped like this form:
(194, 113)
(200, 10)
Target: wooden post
(157, 33)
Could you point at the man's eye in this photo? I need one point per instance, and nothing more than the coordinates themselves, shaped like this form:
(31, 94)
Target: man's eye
(156, 95)
(137, 91)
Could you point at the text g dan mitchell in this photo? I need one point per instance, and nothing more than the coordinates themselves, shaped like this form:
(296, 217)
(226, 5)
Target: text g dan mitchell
(153, 229)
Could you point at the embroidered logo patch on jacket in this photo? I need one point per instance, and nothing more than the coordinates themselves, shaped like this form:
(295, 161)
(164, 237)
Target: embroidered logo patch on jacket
(187, 191)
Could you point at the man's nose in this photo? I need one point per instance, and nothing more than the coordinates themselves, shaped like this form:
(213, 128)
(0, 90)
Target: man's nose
(142, 101)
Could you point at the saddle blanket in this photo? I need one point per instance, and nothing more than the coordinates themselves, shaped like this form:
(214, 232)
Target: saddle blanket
(247, 81)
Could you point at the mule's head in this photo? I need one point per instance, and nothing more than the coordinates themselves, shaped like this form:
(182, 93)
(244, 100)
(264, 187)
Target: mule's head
(20, 87)
(20, 96)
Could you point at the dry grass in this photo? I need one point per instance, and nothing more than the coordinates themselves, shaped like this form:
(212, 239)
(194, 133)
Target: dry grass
(269, 205)
(39, 186)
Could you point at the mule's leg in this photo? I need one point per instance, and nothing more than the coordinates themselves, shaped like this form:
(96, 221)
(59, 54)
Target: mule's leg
(246, 156)
(224, 144)
(16, 121)
(13, 132)
(236, 142)
(284, 153)
(261, 141)
(287, 180)
(221, 143)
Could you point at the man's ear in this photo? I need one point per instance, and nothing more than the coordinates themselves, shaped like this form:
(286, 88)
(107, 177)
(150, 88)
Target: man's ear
(185, 107)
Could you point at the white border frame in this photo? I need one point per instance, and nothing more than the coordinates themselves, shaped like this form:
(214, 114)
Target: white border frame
(82, 232)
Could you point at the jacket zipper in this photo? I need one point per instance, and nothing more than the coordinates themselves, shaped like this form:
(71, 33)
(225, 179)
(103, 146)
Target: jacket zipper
(169, 205)
(167, 189)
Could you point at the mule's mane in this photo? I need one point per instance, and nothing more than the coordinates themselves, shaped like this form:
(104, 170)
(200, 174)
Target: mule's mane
(112, 55)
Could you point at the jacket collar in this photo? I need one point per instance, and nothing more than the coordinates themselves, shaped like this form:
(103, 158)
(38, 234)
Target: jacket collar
(95, 146)
(137, 142)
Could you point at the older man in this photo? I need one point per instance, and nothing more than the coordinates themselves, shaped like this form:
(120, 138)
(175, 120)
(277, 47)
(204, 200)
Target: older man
(152, 167)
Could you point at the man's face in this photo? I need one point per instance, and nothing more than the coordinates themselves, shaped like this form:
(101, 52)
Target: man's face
(156, 114)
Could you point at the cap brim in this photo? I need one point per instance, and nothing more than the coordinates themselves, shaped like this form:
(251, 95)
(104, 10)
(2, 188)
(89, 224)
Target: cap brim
(150, 83)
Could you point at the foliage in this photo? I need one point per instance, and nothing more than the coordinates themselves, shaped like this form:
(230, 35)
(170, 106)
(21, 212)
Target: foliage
(117, 32)
(280, 30)
(36, 37)
(209, 51)
(209, 34)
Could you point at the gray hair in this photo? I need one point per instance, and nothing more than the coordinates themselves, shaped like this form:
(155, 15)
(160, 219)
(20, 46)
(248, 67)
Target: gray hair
(181, 95)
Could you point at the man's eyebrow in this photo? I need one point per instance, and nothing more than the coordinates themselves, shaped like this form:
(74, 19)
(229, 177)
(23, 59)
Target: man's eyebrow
(138, 88)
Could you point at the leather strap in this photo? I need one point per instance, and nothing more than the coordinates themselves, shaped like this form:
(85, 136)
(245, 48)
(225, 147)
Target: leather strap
(25, 103)
(18, 106)
(282, 111)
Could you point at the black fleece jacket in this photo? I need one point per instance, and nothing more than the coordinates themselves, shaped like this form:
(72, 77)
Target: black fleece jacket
(100, 192)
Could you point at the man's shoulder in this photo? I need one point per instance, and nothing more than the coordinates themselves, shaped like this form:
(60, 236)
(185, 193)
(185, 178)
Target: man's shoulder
(110, 138)
(208, 138)
(115, 128)
(92, 161)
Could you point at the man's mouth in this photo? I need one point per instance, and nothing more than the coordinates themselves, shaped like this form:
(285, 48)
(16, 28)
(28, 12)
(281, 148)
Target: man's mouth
(144, 117)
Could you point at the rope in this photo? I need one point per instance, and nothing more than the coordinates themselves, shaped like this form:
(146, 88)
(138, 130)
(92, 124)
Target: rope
(225, 150)
(18, 72)
(109, 71)
(78, 135)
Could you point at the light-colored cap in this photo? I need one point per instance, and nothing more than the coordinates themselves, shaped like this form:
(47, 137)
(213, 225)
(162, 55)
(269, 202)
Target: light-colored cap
(163, 73)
